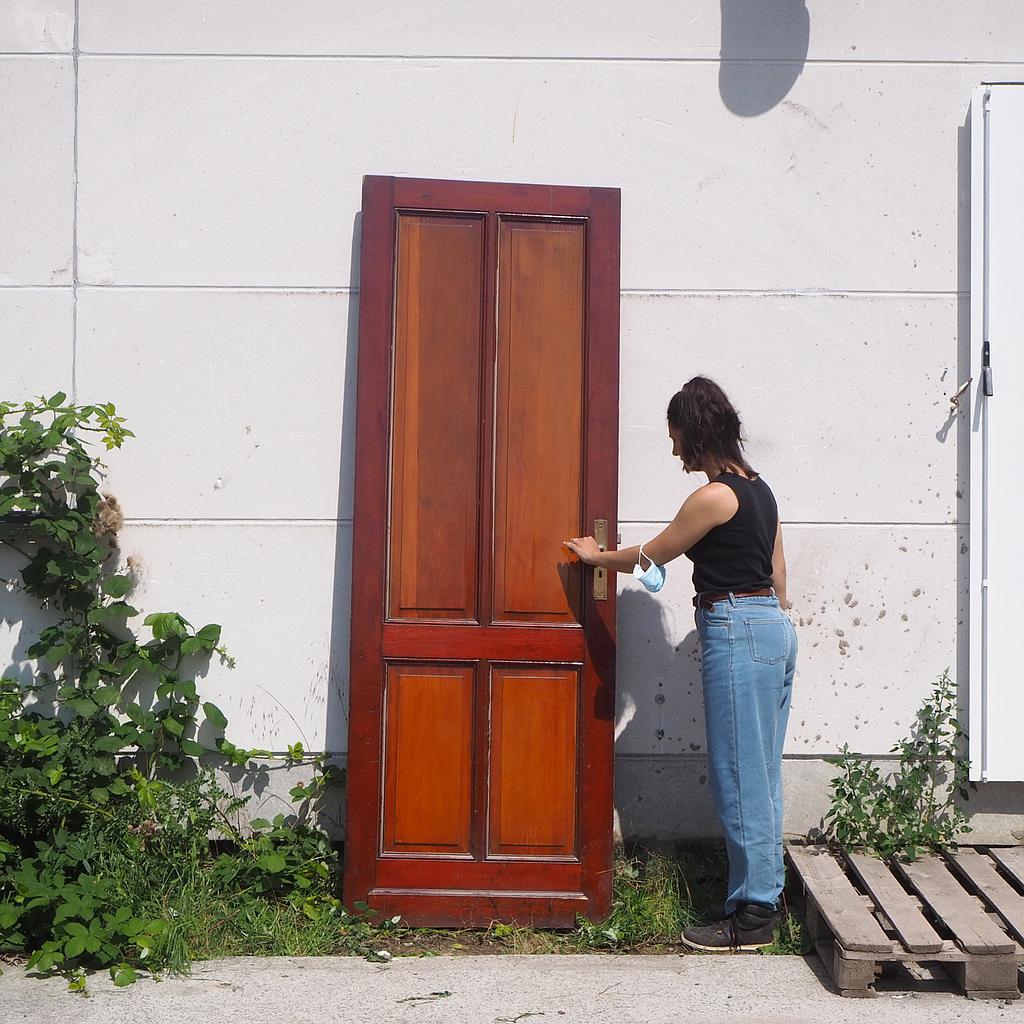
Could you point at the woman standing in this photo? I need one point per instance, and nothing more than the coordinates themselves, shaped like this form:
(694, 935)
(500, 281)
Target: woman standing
(729, 528)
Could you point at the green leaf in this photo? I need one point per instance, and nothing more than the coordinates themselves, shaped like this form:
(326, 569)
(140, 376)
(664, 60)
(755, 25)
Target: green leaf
(114, 610)
(173, 726)
(214, 715)
(9, 914)
(192, 748)
(57, 400)
(209, 634)
(166, 624)
(107, 695)
(272, 862)
(85, 544)
(123, 975)
(84, 706)
(117, 586)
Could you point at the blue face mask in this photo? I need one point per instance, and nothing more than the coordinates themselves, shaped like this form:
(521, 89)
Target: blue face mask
(653, 578)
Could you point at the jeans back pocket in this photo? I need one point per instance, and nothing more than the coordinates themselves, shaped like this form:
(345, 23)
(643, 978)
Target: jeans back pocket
(768, 640)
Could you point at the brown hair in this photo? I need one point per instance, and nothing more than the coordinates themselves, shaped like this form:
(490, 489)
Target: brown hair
(708, 424)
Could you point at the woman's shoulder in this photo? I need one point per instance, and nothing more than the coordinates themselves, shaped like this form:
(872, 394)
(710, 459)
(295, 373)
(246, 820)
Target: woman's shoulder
(717, 498)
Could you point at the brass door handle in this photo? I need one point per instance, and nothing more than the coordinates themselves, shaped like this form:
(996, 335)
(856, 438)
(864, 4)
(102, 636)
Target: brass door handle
(600, 573)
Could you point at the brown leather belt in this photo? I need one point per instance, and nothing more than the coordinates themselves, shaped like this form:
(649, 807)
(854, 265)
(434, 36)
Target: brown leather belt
(708, 599)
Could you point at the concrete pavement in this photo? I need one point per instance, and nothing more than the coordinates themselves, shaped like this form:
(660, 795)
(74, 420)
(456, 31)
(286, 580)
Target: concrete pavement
(587, 989)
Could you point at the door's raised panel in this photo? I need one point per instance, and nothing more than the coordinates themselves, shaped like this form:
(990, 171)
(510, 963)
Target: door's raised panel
(532, 801)
(432, 566)
(428, 758)
(538, 463)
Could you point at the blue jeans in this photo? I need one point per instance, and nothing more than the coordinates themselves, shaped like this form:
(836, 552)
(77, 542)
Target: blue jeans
(748, 658)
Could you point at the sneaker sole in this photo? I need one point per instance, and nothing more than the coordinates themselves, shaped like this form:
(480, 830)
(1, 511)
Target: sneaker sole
(749, 948)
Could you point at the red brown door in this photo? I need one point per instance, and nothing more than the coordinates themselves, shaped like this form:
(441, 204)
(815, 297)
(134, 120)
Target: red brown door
(483, 654)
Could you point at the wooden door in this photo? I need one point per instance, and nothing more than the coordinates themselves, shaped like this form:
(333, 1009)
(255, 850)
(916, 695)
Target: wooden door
(482, 664)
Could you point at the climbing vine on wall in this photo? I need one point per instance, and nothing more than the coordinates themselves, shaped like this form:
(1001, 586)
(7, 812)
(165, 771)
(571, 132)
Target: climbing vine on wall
(86, 740)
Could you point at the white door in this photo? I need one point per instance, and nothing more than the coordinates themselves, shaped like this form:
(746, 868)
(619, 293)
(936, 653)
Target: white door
(997, 434)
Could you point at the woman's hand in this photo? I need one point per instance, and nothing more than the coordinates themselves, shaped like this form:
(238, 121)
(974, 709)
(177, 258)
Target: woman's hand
(585, 547)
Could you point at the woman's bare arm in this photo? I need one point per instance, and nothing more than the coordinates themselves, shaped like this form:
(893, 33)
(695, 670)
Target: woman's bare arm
(708, 506)
(779, 568)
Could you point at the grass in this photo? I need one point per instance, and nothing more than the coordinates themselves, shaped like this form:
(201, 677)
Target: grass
(651, 904)
(207, 919)
(791, 938)
(656, 894)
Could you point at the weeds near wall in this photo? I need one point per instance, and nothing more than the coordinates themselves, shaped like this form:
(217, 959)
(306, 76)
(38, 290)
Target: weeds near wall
(102, 863)
(912, 808)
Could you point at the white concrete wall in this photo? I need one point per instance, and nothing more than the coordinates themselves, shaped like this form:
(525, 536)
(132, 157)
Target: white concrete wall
(179, 185)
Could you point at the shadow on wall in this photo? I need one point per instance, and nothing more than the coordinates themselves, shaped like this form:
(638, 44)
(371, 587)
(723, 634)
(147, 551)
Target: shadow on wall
(961, 419)
(764, 46)
(22, 615)
(660, 792)
(332, 814)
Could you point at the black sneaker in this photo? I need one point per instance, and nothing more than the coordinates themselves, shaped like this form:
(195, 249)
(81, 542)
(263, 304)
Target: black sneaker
(749, 928)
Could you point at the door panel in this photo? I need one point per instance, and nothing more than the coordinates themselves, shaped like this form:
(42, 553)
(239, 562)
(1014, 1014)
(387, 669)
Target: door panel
(436, 396)
(538, 483)
(428, 748)
(533, 761)
(482, 663)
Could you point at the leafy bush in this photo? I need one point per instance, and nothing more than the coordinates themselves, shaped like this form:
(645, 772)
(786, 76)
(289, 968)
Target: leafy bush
(95, 846)
(912, 808)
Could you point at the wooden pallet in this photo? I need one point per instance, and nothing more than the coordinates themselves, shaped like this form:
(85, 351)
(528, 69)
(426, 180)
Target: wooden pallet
(964, 910)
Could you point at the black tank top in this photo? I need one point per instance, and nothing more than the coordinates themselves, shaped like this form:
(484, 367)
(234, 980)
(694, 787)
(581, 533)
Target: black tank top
(737, 554)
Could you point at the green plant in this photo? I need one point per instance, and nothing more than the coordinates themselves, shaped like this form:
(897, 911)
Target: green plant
(791, 938)
(652, 903)
(86, 824)
(913, 807)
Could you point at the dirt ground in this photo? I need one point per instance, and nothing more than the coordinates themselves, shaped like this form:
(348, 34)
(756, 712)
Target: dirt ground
(475, 942)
